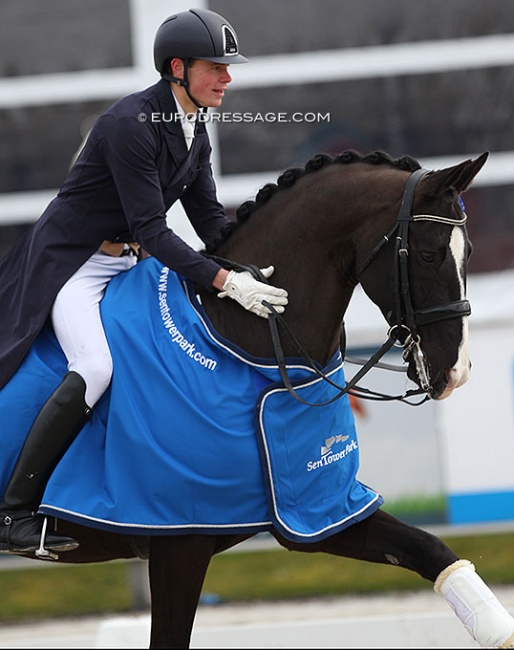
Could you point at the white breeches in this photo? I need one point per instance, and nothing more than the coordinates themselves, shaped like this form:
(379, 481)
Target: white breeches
(77, 323)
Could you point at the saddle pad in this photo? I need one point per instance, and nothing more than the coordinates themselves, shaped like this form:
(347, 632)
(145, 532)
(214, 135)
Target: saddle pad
(193, 434)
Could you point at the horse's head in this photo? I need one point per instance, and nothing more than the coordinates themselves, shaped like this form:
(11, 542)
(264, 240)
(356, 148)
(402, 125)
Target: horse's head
(398, 230)
(417, 277)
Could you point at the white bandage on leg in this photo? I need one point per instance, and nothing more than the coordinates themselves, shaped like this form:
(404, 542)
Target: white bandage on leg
(476, 606)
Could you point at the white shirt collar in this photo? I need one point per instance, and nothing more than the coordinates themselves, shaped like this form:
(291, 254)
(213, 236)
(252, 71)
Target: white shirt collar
(190, 117)
(187, 121)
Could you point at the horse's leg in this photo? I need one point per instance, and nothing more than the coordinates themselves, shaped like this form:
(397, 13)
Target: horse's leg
(385, 539)
(177, 566)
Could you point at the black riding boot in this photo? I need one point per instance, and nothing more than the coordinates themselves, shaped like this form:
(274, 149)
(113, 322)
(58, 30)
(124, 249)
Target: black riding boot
(54, 429)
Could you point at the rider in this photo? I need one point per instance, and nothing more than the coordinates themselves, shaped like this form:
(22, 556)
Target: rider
(134, 165)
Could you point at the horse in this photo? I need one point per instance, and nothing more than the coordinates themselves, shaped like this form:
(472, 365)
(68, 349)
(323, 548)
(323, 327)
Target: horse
(398, 230)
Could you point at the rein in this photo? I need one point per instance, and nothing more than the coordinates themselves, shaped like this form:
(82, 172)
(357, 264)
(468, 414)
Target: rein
(342, 390)
(404, 321)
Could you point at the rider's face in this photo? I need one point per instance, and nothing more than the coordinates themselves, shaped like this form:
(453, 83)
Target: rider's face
(207, 82)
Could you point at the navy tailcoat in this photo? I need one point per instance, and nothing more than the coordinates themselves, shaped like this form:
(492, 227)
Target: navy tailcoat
(133, 167)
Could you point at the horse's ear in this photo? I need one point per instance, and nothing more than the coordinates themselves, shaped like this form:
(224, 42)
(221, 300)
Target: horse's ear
(459, 176)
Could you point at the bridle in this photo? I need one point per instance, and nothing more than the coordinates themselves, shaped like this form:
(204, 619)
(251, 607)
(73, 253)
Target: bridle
(403, 320)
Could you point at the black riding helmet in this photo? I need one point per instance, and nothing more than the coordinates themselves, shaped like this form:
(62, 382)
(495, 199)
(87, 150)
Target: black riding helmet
(195, 34)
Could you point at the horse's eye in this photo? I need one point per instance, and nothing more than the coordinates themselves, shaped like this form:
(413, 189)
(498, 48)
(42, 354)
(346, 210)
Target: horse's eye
(427, 257)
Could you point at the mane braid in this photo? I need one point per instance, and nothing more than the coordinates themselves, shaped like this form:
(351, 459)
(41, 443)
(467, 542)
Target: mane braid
(291, 175)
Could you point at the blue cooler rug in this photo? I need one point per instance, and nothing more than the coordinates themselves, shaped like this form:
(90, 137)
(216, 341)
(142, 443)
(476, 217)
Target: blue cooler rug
(193, 434)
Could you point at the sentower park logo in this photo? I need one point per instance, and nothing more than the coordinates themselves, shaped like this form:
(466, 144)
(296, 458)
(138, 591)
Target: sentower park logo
(331, 452)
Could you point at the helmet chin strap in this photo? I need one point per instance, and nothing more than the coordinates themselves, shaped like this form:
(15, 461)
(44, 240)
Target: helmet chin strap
(183, 82)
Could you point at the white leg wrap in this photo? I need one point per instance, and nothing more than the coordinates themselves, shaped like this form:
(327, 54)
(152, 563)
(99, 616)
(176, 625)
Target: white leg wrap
(476, 606)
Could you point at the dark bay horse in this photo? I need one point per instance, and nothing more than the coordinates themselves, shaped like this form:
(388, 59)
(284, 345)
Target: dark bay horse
(400, 232)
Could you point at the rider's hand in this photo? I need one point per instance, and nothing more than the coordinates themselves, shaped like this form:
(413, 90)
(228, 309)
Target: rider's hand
(250, 293)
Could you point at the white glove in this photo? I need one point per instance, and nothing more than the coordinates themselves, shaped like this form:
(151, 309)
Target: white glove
(250, 293)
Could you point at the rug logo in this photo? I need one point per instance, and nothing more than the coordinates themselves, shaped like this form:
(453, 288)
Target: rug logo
(329, 455)
(188, 347)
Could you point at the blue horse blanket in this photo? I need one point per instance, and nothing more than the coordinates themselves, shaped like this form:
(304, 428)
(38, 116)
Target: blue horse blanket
(193, 434)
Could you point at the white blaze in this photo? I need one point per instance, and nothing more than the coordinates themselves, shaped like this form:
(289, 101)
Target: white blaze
(459, 374)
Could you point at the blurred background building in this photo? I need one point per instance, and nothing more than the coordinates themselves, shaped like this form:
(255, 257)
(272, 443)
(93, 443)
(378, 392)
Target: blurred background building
(433, 79)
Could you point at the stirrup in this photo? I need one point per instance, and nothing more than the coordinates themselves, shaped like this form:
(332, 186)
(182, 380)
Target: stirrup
(43, 553)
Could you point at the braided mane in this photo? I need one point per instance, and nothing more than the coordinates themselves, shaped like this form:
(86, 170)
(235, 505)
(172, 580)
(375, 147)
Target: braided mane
(291, 175)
